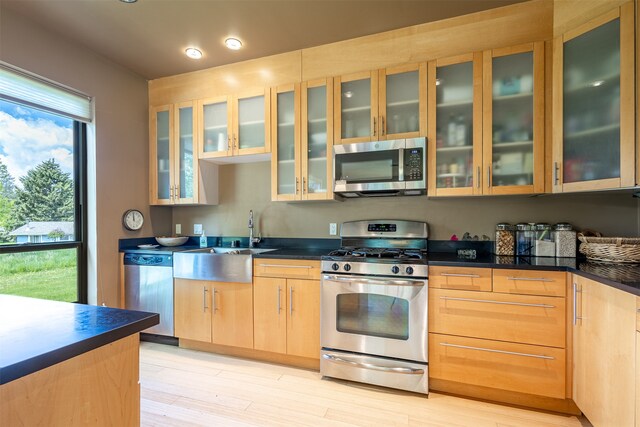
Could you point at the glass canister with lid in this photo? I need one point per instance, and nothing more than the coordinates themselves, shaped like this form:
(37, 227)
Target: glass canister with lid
(525, 237)
(543, 244)
(565, 237)
(505, 239)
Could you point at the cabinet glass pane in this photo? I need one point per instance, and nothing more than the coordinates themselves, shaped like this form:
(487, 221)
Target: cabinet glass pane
(591, 116)
(512, 106)
(454, 126)
(186, 152)
(215, 135)
(251, 122)
(162, 154)
(286, 144)
(403, 106)
(317, 139)
(356, 108)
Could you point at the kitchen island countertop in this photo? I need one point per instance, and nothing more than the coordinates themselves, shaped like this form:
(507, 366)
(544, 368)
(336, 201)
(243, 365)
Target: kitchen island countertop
(36, 334)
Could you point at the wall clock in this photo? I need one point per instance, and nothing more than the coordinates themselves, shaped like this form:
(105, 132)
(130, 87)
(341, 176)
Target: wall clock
(132, 220)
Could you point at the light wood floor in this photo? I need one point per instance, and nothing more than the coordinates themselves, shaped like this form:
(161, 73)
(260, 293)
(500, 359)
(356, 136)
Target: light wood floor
(184, 388)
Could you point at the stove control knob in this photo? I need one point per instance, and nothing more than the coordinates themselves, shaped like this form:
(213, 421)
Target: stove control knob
(335, 266)
(409, 270)
(347, 267)
(395, 269)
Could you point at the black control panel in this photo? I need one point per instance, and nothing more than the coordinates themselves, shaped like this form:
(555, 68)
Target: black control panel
(382, 228)
(413, 164)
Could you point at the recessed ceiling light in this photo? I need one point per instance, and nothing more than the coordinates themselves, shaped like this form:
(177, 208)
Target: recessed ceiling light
(193, 53)
(597, 83)
(128, 1)
(233, 43)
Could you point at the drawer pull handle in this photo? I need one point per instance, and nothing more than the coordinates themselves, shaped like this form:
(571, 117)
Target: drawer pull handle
(531, 279)
(285, 266)
(473, 276)
(490, 350)
(395, 370)
(488, 301)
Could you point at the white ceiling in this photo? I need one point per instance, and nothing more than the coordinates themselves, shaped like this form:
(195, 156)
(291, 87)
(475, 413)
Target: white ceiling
(149, 37)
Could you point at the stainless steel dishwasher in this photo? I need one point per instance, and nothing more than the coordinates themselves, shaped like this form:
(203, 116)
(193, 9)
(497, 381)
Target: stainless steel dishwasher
(148, 286)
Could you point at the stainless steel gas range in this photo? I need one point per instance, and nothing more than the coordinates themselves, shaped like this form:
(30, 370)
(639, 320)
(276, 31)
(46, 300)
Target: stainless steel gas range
(374, 305)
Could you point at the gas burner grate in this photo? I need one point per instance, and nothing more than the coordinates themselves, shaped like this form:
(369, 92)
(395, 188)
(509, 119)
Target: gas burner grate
(392, 253)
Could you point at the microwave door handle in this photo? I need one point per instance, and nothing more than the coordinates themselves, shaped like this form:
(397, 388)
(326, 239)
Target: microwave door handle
(401, 164)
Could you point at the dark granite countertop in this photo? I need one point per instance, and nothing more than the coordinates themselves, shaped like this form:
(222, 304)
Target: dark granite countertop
(36, 334)
(295, 253)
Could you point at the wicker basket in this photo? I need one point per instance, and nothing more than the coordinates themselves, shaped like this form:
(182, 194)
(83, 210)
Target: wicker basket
(612, 249)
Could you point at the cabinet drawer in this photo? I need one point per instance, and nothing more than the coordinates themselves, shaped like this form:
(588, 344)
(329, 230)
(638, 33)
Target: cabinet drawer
(516, 318)
(287, 268)
(530, 282)
(506, 366)
(463, 278)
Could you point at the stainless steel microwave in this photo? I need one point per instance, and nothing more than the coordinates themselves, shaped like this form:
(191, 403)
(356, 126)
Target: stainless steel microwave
(380, 168)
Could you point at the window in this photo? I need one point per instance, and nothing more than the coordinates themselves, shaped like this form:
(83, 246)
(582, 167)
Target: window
(42, 199)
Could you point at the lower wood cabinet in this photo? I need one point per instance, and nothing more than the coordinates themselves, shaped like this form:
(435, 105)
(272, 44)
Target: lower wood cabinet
(604, 335)
(215, 312)
(286, 310)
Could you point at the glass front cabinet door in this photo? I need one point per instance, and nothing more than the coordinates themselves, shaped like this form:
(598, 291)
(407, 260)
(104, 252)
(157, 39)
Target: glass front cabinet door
(594, 104)
(455, 130)
(161, 155)
(513, 120)
(251, 130)
(185, 185)
(300, 126)
(356, 108)
(214, 124)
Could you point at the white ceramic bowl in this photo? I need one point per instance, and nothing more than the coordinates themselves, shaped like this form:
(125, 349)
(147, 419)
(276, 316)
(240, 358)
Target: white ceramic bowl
(172, 241)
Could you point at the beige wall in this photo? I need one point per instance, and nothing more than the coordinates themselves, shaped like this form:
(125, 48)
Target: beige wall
(118, 150)
(247, 186)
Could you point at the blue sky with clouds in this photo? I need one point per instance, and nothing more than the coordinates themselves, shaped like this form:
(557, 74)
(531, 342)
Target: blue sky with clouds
(29, 136)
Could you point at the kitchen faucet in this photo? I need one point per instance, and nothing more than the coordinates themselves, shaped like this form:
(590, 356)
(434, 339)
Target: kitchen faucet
(252, 240)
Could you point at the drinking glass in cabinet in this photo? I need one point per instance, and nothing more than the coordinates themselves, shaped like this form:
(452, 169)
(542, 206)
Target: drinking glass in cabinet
(512, 113)
(317, 139)
(215, 130)
(356, 108)
(403, 107)
(186, 152)
(251, 122)
(591, 97)
(454, 125)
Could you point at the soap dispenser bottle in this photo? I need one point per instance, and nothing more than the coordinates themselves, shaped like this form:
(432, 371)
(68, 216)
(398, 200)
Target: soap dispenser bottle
(203, 240)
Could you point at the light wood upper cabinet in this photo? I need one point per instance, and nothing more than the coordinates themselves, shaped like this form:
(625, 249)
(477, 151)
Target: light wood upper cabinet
(234, 125)
(301, 162)
(176, 176)
(604, 353)
(593, 104)
(379, 105)
(486, 112)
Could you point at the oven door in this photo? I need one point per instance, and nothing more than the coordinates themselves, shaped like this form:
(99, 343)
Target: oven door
(369, 166)
(375, 315)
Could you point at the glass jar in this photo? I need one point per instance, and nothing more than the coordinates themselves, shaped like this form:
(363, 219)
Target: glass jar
(525, 236)
(543, 244)
(565, 237)
(505, 243)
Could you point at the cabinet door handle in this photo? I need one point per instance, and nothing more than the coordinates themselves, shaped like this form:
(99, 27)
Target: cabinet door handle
(304, 185)
(478, 183)
(285, 266)
(488, 301)
(228, 142)
(488, 176)
(290, 301)
(556, 173)
(575, 304)
(473, 276)
(171, 193)
(491, 350)
(383, 130)
(177, 192)
(204, 299)
(234, 141)
(279, 305)
(531, 279)
(213, 298)
(297, 183)
(374, 127)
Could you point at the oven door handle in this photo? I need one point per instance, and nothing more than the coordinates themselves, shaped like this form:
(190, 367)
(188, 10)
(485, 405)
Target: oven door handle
(415, 283)
(395, 370)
